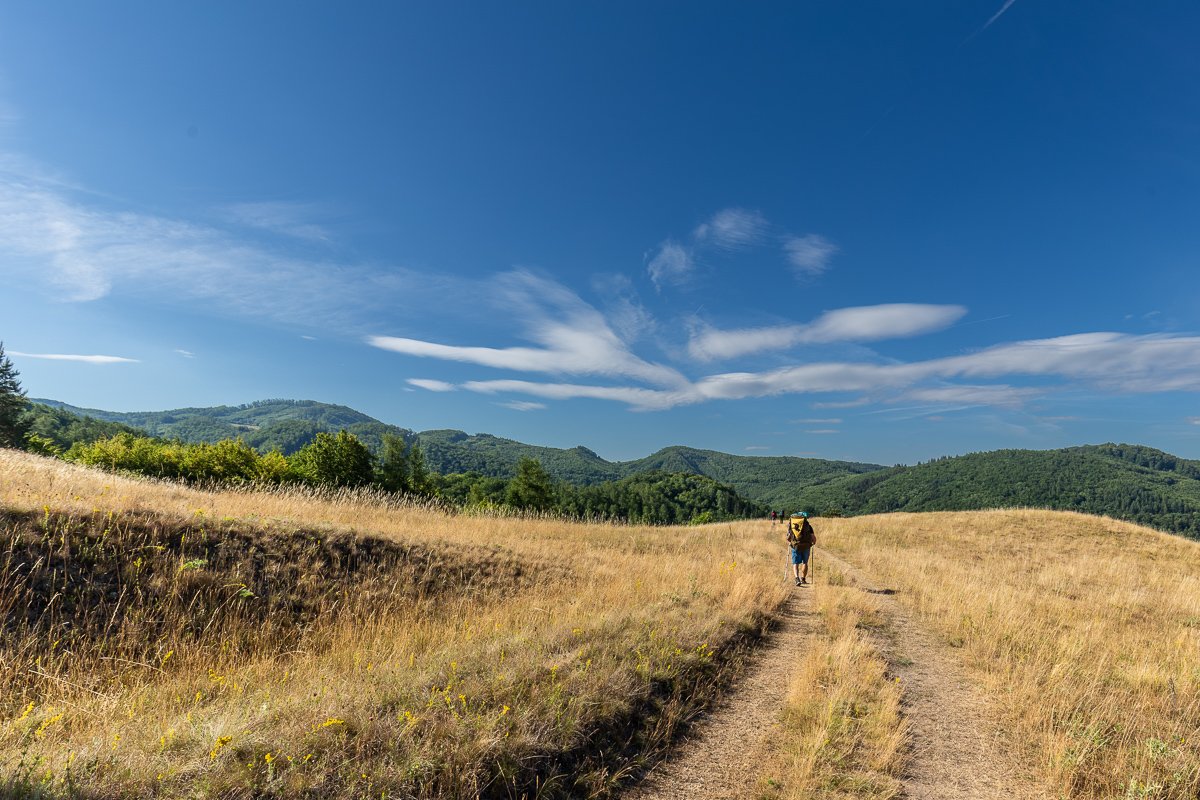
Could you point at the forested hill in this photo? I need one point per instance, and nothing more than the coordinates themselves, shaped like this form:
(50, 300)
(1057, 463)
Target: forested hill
(1124, 481)
(450, 451)
(285, 425)
(288, 425)
(774, 480)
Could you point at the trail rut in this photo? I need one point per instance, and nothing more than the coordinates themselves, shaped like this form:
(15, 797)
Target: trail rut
(957, 751)
(720, 759)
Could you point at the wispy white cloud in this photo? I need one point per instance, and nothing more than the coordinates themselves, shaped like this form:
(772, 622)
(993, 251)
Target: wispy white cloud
(824, 431)
(287, 219)
(626, 313)
(575, 338)
(964, 396)
(522, 405)
(66, 240)
(857, 402)
(751, 448)
(809, 255)
(826, 421)
(732, 229)
(74, 357)
(1194, 420)
(185, 353)
(431, 384)
(671, 264)
(637, 398)
(860, 324)
(1110, 361)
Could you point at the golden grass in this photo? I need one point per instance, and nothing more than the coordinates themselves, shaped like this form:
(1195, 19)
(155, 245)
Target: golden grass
(541, 643)
(553, 684)
(1086, 630)
(842, 734)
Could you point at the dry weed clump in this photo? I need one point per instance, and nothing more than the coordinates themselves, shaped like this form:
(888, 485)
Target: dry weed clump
(163, 641)
(1086, 630)
(842, 731)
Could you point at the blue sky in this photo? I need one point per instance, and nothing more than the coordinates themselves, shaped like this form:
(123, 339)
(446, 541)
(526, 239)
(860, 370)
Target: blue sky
(876, 231)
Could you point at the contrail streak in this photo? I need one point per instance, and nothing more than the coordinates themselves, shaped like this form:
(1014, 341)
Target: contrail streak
(1007, 5)
(997, 15)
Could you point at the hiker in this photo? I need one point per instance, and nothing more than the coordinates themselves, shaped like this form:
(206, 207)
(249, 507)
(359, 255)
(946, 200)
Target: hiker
(801, 537)
(774, 518)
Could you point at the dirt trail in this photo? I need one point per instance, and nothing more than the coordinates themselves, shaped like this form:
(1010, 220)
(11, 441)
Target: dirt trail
(721, 758)
(957, 751)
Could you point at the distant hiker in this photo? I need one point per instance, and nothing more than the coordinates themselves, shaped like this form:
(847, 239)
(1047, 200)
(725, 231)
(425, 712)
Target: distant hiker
(774, 517)
(801, 537)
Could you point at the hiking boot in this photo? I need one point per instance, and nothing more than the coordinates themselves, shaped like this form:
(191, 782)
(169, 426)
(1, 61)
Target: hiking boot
(798, 581)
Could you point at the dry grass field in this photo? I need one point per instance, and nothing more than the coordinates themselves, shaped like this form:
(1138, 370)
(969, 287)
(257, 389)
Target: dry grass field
(161, 641)
(1084, 630)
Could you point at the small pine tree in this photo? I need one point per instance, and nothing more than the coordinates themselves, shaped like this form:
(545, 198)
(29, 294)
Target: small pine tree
(12, 404)
(532, 489)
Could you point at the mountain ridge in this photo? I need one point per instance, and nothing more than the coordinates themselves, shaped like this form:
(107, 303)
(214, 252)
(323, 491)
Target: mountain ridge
(290, 424)
(1133, 482)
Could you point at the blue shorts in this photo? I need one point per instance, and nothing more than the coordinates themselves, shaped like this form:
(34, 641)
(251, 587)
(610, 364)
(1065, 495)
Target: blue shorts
(800, 555)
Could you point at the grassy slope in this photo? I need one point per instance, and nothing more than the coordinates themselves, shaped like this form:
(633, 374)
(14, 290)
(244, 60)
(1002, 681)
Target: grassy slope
(1085, 630)
(266, 644)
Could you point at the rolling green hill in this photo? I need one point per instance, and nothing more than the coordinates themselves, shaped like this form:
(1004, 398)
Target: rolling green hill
(63, 428)
(1129, 482)
(288, 425)
(774, 480)
(450, 451)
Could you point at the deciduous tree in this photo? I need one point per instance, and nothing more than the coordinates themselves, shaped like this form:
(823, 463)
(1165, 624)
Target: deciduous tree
(340, 460)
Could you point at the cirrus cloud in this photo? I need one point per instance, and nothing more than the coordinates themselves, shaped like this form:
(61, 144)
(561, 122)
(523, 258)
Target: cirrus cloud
(671, 264)
(431, 385)
(732, 229)
(75, 357)
(860, 324)
(809, 255)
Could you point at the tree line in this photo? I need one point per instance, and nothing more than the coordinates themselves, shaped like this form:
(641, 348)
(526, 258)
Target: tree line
(342, 459)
